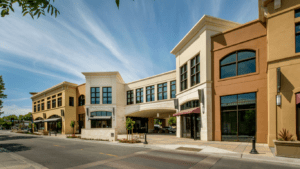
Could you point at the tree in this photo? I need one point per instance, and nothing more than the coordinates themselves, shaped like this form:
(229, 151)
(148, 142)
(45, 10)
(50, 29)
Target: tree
(27, 117)
(172, 120)
(2, 95)
(129, 126)
(73, 125)
(32, 7)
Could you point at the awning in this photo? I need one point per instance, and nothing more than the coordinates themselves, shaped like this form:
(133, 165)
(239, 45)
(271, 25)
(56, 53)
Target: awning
(297, 98)
(100, 118)
(52, 119)
(38, 121)
(188, 111)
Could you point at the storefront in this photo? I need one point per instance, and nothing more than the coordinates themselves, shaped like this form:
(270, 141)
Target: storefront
(190, 118)
(39, 124)
(54, 123)
(141, 125)
(101, 119)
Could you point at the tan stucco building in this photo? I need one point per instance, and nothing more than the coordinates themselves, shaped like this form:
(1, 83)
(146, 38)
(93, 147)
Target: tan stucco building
(282, 19)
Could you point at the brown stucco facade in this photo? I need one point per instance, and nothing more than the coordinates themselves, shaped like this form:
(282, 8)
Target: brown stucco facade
(249, 36)
(282, 54)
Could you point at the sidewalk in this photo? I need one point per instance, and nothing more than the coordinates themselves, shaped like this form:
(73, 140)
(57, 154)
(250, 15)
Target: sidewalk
(9, 160)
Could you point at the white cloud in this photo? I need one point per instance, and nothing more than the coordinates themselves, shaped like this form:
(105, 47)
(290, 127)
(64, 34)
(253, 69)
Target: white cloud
(14, 109)
(16, 100)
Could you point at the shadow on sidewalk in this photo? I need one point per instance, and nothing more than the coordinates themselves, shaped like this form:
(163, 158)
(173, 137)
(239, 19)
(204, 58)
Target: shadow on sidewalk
(14, 147)
(10, 137)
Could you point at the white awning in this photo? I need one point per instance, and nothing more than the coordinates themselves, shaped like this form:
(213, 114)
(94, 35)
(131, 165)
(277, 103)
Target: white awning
(38, 121)
(100, 118)
(52, 119)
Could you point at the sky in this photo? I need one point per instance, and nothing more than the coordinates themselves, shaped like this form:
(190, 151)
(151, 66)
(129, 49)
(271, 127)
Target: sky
(94, 36)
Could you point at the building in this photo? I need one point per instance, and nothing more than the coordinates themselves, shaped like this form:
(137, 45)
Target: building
(55, 108)
(240, 83)
(282, 18)
(193, 73)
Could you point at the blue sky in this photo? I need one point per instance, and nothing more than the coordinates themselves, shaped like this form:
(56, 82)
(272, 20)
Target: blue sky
(93, 35)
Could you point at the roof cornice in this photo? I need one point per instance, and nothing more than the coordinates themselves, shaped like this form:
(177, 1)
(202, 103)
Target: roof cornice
(169, 72)
(104, 74)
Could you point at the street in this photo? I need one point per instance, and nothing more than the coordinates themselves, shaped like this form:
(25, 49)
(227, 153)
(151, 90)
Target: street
(61, 153)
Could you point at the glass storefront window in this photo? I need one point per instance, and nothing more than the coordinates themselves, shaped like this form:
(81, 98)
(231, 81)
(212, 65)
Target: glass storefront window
(101, 123)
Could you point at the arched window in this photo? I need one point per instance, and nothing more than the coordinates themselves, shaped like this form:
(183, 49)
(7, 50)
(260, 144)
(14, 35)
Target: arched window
(81, 100)
(238, 63)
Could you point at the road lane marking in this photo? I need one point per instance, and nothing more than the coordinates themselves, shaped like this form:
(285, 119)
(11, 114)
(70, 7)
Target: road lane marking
(112, 155)
(101, 153)
(59, 146)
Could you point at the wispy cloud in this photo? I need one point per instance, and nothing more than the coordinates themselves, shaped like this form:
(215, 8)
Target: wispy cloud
(14, 110)
(14, 100)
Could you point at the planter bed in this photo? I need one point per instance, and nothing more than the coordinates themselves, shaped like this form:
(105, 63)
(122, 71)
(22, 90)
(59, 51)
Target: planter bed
(287, 148)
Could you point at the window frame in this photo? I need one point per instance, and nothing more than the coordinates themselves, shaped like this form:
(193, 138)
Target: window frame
(139, 91)
(173, 89)
(95, 95)
(236, 62)
(162, 91)
(150, 88)
(81, 100)
(59, 102)
(49, 104)
(297, 34)
(42, 106)
(183, 74)
(39, 107)
(197, 73)
(130, 99)
(53, 101)
(34, 108)
(107, 97)
(190, 104)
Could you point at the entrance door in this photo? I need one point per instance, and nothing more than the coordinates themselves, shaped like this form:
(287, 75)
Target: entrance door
(81, 122)
(298, 121)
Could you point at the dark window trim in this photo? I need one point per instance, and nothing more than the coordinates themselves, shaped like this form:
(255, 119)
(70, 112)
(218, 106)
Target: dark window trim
(183, 80)
(49, 104)
(173, 89)
(92, 113)
(53, 103)
(162, 91)
(71, 101)
(59, 101)
(42, 106)
(39, 107)
(141, 95)
(197, 73)
(81, 100)
(130, 99)
(150, 88)
(95, 95)
(106, 95)
(34, 109)
(189, 104)
(237, 62)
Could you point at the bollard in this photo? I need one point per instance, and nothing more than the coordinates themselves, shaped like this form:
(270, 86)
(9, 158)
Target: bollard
(55, 133)
(145, 139)
(253, 151)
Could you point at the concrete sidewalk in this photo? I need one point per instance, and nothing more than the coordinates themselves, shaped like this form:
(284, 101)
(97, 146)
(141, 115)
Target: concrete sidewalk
(10, 160)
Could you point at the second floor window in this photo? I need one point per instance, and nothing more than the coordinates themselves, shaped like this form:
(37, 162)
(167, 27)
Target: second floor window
(48, 105)
(150, 93)
(54, 103)
(195, 70)
(297, 29)
(81, 100)
(71, 101)
(297, 13)
(39, 107)
(238, 63)
(162, 91)
(183, 77)
(106, 95)
(95, 95)
(139, 95)
(34, 108)
(59, 102)
(42, 106)
(173, 89)
(129, 97)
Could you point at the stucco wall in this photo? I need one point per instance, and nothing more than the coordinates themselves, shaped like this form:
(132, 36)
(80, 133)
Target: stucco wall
(103, 134)
(251, 36)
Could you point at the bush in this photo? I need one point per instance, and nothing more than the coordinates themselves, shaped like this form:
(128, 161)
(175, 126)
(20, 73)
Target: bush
(285, 135)
(129, 141)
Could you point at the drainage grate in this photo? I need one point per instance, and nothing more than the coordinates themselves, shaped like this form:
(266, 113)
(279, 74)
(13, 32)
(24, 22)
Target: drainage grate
(189, 149)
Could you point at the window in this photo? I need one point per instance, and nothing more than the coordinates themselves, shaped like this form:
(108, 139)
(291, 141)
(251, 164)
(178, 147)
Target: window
(81, 100)
(195, 70)
(48, 98)
(297, 29)
(34, 103)
(183, 77)
(95, 95)
(173, 89)
(103, 123)
(106, 95)
(53, 103)
(42, 100)
(238, 63)
(34, 108)
(162, 91)
(38, 101)
(59, 102)
(139, 95)
(39, 107)
(238, 117)
(53, 96)
(42, 106)
(150, 93)
(129, 97)
(297, 13)
(71, 101)
(59, 94)
(48, 105)
(190, 104)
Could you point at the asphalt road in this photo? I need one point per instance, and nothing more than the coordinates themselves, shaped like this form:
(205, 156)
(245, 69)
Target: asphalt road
(60, 153)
